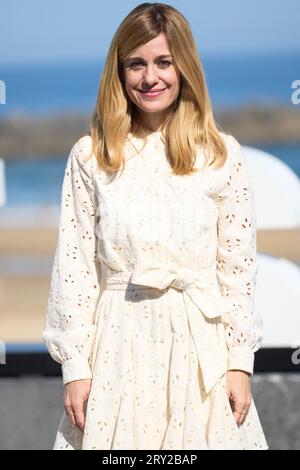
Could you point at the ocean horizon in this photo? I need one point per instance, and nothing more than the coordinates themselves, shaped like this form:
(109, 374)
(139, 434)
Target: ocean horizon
(232, 81)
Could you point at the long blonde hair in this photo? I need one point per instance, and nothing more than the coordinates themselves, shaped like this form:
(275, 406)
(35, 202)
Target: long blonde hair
(190, 124)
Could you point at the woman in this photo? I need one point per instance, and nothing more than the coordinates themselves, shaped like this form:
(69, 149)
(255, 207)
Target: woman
(151, 303)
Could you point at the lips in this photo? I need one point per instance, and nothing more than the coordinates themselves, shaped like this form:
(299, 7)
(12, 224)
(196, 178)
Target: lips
(152, 91)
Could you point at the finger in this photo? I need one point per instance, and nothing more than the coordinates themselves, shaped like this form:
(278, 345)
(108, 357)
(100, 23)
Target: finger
(241, 422)
(243, 416)
(237, 417)
(72, 419)
(248, 402)
(240, 417)
(79, 416)
(70, 414)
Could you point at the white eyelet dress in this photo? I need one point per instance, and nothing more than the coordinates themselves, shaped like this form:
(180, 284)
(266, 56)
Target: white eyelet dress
(152, 297)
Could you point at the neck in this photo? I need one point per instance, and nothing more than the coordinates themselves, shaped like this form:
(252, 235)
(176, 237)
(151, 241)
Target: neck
(153, 123)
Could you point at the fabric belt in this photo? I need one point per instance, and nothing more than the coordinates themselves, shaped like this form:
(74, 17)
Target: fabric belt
(200, 289)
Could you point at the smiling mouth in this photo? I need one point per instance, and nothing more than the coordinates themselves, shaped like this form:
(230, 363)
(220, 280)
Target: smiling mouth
(152, 92)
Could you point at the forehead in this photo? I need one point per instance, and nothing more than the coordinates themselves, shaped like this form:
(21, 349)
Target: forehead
(155, 47)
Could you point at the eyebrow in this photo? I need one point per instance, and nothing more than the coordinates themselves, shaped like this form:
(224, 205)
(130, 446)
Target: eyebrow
(163, 56)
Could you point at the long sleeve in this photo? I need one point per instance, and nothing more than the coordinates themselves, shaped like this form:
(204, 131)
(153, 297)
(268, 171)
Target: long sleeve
(237, 262)
(75, 280)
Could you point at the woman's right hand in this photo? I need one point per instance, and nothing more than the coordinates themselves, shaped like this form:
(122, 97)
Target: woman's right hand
(76, 394)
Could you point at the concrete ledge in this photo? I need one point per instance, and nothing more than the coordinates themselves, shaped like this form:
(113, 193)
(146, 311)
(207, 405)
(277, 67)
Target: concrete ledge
(31, 408)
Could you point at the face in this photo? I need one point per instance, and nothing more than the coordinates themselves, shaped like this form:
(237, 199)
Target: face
(152, 81)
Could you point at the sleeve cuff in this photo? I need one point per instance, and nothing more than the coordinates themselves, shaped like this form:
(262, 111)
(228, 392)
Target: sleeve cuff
(76, 369)
(242, 359)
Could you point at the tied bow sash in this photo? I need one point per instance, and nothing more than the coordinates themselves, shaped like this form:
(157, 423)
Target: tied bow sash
(204, 304)
(200, 286)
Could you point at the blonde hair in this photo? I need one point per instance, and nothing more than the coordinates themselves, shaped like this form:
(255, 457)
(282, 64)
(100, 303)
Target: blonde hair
(190, 124)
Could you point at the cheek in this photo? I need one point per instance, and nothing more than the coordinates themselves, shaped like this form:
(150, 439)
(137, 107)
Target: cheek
(128, 85)
(130, 90)
(130, 82)
(173, 80)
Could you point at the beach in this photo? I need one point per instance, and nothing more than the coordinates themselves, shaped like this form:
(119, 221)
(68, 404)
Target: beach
(23, 297)
(41, 241)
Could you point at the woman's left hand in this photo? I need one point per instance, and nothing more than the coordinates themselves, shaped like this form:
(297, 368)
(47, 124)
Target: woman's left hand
(238, 389)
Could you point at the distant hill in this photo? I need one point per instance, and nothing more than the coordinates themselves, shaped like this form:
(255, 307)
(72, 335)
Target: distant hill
(38, 137)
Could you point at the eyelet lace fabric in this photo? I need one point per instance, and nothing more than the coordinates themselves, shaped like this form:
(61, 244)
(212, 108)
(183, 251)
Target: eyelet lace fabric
(152, 297)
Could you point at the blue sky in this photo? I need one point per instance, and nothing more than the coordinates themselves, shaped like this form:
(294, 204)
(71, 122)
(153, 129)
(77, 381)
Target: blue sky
(34, 31)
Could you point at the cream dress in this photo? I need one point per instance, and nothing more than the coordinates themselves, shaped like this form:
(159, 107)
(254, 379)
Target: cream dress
(152, 296)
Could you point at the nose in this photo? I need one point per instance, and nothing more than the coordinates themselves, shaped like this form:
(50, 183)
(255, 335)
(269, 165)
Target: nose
(150, 76)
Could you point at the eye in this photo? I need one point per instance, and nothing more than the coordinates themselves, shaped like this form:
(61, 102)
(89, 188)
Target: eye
(165, 62)
(135, 65)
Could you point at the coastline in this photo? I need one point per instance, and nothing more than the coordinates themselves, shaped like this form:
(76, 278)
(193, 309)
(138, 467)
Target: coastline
(26, 136)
